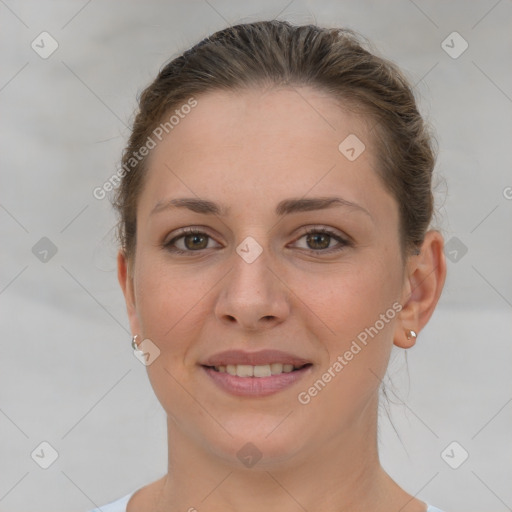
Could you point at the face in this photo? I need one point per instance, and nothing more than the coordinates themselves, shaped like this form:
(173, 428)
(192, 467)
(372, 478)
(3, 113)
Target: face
(301, 255)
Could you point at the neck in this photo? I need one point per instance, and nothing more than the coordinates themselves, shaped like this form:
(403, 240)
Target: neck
(342, 473)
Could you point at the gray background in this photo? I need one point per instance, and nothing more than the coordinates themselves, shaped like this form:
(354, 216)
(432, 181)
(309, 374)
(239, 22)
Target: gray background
(67, 372)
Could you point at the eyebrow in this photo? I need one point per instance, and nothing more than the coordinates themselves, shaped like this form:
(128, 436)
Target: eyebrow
(285, 207)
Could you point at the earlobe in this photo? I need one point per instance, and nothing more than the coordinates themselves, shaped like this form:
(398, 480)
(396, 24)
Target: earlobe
(424, 281)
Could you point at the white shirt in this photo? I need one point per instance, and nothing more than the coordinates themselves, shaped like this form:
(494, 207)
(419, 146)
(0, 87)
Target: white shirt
(120, 505)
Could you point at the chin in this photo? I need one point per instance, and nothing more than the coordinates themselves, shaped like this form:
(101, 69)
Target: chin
(257, 441)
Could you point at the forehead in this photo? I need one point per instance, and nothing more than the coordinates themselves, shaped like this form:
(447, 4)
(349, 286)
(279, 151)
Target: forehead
(264, 144)
(308, 119)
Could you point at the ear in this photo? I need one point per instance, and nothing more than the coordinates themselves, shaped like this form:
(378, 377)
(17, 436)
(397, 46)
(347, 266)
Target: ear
(423, 284)
(125, 279)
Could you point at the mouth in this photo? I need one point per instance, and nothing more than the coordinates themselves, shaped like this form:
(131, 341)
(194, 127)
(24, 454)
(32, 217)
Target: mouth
(255, 374)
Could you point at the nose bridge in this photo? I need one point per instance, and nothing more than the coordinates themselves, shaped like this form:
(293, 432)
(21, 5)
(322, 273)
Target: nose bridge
(251, 294)
(251, 277)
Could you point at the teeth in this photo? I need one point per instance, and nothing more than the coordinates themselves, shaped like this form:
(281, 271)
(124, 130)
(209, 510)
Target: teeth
(276, 368)
(244, 370)
(247, 370)
(262, 371)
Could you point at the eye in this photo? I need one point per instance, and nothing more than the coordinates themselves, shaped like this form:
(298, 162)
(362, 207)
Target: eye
(188, 241)
(320, 240)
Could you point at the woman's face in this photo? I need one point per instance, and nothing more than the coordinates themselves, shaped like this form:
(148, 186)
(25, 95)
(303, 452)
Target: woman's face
(253, 280)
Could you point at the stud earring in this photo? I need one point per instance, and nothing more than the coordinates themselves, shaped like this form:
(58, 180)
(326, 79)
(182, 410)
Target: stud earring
(134, 342)
(411, 335)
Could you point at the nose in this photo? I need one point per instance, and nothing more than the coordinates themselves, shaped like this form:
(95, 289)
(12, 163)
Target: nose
(253, 296)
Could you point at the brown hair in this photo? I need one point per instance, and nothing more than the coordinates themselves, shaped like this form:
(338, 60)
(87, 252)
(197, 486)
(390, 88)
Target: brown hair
(278, 53)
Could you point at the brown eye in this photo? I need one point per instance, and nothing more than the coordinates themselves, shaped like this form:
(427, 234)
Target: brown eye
(199, 241)
(189, 241)
(320, 240)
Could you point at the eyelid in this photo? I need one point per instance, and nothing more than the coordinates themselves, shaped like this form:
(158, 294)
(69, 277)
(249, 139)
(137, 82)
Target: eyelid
(188, 230)
(315, 228)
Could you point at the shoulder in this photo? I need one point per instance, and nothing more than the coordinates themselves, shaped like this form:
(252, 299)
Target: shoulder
(118, 505)
(140, 500)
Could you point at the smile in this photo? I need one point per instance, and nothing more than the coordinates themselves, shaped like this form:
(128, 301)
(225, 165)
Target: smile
(255, 374)
(251, 386)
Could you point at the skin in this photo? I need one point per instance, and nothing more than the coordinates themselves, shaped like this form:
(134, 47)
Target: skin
(248, 151)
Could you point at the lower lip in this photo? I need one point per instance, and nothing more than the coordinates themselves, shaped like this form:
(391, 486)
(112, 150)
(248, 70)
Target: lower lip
(255, 386)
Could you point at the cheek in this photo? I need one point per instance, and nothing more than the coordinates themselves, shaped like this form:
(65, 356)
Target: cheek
(353, 297)
(164, 299)
(357, 306)
(171, 313)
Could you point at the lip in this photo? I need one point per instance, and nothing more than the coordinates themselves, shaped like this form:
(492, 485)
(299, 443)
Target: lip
(255, 386)
(254, 358)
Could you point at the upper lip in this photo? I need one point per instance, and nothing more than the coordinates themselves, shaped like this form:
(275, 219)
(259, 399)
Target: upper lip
(254, 358)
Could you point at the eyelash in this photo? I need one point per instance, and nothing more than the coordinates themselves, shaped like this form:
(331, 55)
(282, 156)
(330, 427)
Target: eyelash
(310, 231)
